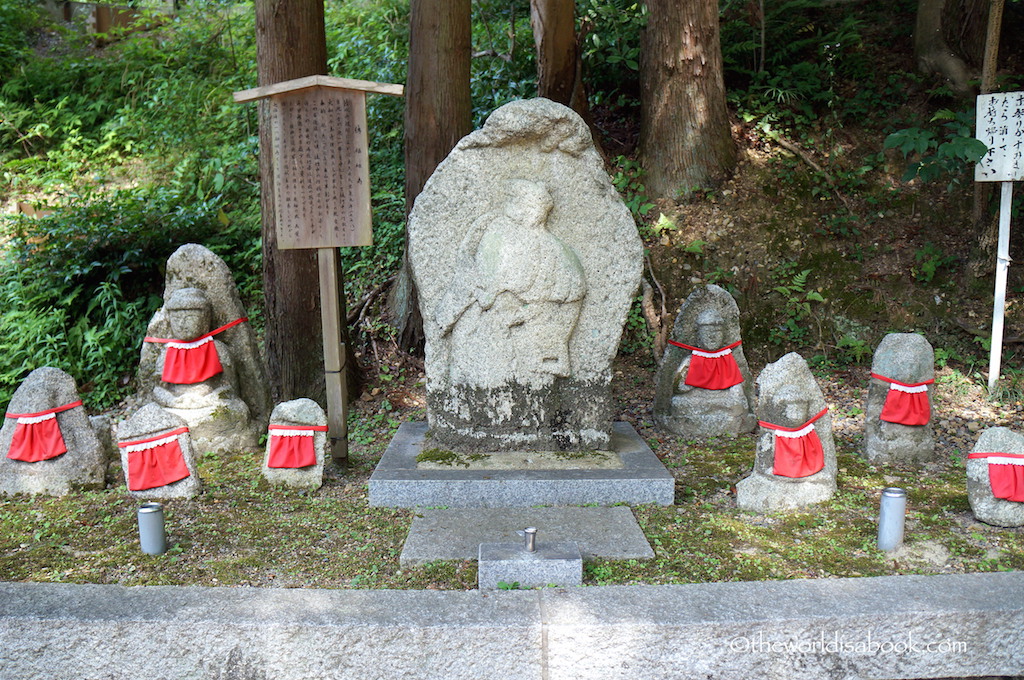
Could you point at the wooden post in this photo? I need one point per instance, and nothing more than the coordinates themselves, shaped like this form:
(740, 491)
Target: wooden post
(335, 369)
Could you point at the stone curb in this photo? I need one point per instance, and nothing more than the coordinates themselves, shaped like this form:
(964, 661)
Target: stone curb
(885, 627)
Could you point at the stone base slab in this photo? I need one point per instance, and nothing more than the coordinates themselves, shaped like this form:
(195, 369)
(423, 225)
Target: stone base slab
(456, 534)
(964, 625)
(551, 564)
(397, 482)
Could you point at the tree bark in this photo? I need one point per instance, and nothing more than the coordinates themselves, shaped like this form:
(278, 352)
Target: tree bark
(685, 135)
(290, 43)
(559, 72)
(931, 51)
(438, 113)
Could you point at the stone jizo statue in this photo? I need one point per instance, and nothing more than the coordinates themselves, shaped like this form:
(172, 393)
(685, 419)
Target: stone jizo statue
(703, 383)
(795, 461)
(897, 425)
(995, 478)
(47, 444)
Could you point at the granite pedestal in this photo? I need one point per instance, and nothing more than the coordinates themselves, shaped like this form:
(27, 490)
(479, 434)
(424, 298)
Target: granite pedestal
(397, 482)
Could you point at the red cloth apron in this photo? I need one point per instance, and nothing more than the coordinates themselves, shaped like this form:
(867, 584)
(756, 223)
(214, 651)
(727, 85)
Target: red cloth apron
(712, 370)
(291, 446)
(798, 450)
(906, 403)
(193, 361)
(37, 435)
(1005, 474)
(156, 461)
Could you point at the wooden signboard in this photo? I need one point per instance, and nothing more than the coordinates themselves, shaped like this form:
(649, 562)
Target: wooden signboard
(321, 160)
(322, 199)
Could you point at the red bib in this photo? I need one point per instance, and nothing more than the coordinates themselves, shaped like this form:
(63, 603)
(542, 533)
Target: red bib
(194, 361)
(157, 461)
(798, 450)
(906, 403)
(1005, 474)
(37, 436)
(291, 446)
(714, 370)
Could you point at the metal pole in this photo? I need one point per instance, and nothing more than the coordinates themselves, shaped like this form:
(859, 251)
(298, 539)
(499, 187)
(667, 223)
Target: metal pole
(995, 356)
(335, 370)
(891, 517)
(152, 537)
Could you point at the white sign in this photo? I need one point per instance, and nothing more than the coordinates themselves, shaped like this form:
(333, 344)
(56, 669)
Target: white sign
(1000, 126)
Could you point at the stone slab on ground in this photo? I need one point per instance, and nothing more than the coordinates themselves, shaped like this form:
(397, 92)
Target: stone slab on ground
(551, 564)
(963, 625)
(397, 482)
(456, 534)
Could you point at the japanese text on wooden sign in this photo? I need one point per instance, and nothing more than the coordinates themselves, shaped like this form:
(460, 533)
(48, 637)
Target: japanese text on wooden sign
(321, 168)
(1000, 126)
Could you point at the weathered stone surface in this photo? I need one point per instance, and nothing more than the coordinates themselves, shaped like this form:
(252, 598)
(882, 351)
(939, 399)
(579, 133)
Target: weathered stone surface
(788, 396)
(886, 627)
(985, 506)
(708, 319)
(552, 564)
(299, 412)
(456, 534)
(526, 261)
(150, 421)
(82, 466)
(398, 481)
(909, 358)
(218, 424)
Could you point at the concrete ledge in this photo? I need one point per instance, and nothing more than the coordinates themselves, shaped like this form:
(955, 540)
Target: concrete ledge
(888, 627)
(397, 482)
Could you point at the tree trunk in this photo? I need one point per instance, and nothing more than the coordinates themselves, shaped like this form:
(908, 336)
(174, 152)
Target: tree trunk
(290, 43)
(931, 51)
(559, 72)
(438, 113)
(685, 136)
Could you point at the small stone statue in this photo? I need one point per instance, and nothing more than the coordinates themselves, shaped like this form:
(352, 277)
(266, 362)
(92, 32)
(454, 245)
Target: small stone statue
(197, 378)
(47, 444)
(242, 380)
(795, 462)
(995, 478)
(157, 455)
(704, 387)
(296, 444)
(897, 426)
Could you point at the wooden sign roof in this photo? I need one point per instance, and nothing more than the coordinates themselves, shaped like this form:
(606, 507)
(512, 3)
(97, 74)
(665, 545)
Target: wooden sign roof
(318, 81)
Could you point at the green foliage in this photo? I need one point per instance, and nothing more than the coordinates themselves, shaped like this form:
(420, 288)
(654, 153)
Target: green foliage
(79, 285)
(950, 155)
(19, 21)
(627, 177)
(796, 304)
(930, 260)
(635, 334)
(610, 50)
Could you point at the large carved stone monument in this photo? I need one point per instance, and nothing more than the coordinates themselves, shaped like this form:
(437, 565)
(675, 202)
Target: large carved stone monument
(995, 478)
(157, 455)
(897, 420)
(703, 386)
(795, 461)
(526, 261)
(200, 360)
(47, 444)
